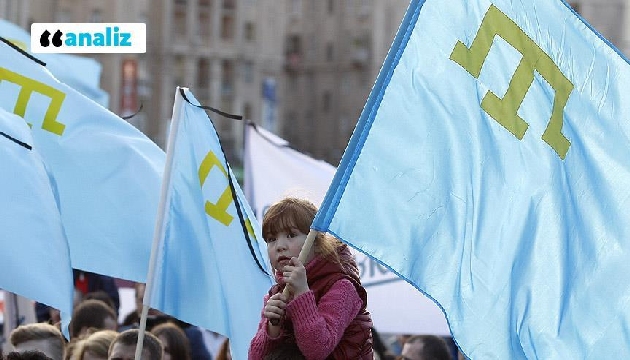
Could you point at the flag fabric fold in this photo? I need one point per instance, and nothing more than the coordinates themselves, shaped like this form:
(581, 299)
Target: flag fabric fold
(490, 168)
(108, 173)
(210, 261)
(35, 259)
(80, 73)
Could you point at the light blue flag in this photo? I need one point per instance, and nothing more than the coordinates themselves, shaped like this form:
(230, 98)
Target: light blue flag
(80, 73)
(491, 168)
(34, 255)
(108, 173)
(211, 267)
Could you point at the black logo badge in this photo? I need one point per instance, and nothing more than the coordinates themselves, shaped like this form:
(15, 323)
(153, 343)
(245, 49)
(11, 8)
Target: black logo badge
(56, 39)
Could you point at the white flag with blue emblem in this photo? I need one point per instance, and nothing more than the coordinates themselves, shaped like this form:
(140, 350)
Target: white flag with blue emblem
(491, 168)
(210, 265)
(34, 254)
(108, 173)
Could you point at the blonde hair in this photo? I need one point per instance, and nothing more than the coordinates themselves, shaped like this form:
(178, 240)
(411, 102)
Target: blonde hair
(298, 213)
(39, 331)
(96, 343)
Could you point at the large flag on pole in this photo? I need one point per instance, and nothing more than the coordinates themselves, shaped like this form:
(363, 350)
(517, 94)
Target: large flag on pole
(209, 267)
(34, 260)
(491, 168)
(80, 73)
(108, 173)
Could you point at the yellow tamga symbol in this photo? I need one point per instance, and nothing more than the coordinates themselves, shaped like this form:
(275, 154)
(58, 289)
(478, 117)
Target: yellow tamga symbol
(27, 87)
(504, 111)
(218, 210)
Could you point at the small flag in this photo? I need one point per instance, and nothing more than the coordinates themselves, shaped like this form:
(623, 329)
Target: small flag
(211, 268)
(34, 255)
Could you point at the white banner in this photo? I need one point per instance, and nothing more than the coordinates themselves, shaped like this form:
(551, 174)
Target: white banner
(273, 171)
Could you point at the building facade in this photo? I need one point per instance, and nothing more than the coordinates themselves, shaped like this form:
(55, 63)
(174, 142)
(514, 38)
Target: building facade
(333, 51)
(301, 68)
(222, 50)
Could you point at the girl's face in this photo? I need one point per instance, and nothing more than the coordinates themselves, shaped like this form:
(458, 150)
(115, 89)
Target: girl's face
(284, 245)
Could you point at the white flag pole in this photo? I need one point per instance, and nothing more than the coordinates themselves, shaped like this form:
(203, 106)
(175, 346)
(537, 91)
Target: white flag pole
(159, 222)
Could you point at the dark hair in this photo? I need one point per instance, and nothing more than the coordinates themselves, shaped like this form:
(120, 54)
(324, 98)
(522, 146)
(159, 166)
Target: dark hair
(27, 355)
(90, 314)
(222, 354)
(103, 296)
(379, 346)
(177, 344)
(130, 338)
(433, 347)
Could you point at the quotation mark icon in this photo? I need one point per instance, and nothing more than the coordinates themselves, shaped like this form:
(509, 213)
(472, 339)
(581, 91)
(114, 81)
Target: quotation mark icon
(56, 39)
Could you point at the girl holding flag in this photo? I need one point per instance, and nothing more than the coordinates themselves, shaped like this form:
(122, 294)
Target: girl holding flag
(322, 314)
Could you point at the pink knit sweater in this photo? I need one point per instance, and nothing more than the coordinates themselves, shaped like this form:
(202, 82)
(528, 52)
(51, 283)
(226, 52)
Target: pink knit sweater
(318, 327)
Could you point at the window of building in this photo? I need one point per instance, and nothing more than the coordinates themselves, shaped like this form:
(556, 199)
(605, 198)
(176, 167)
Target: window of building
(227, 27)
(294, 44)
(179, 21)
(329, 52)
(96, 16)
(204, 24)
(250, 34)
(326, 101)
(203, 73)
(180, 70)
(229, 4)
(227, 78)
(248, 72)
(247, 111)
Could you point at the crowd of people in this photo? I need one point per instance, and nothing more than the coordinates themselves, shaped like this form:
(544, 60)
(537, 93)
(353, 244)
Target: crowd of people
(316, 310)
(95, 333)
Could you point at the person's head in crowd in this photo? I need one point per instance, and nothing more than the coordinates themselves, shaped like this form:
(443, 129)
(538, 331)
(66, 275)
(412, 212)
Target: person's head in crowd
(425, 347)
(103, 296)
(70, 348)
(380, 349)
(224, 351)
(174, 341)
(132, 319)
(92, 314)
(124, 346)
(38, 336)
(27, 355)
(95, 346)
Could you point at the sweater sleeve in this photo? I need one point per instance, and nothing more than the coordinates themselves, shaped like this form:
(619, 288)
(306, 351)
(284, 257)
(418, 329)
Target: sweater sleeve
(262, 343)
(319, 327)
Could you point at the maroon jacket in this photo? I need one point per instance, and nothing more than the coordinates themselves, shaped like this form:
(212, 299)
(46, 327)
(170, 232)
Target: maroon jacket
(328, 322)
